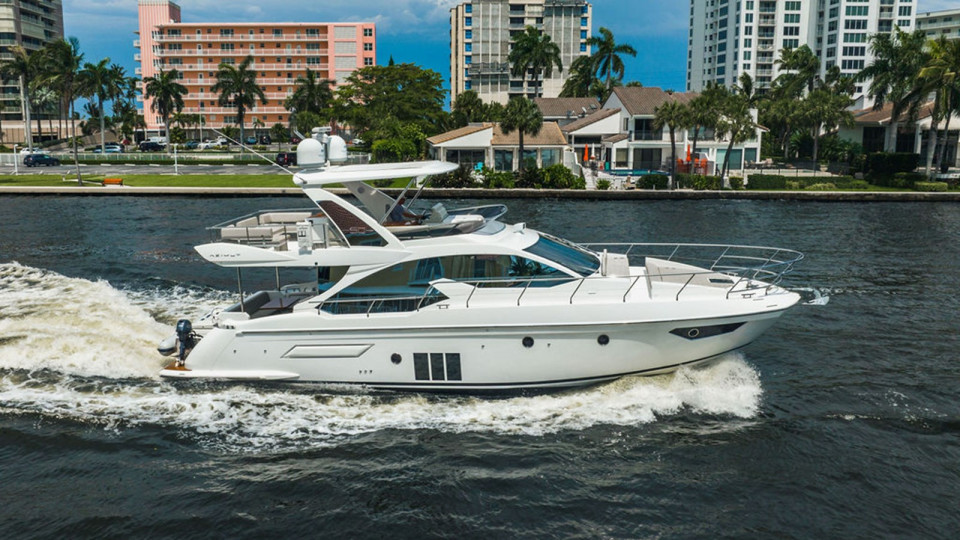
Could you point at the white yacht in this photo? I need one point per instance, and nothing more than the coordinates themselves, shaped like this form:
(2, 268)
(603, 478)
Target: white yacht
(456, 300)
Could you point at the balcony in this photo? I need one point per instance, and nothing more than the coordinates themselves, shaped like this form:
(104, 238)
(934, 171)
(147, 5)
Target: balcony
(256, 38)
(488, 68)
(644, 135)
(136, 57)
(256, 66)
(136, 43)
(243, 52)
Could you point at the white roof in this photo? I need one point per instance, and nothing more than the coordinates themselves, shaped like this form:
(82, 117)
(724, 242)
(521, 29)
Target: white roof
(379, 171)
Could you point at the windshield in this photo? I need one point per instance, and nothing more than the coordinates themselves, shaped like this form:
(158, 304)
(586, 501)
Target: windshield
(566, 254)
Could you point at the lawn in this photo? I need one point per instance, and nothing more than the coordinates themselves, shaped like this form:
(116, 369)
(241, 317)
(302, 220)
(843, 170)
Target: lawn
(169, 180)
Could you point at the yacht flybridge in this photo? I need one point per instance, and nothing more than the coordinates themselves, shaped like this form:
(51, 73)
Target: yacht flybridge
(456, 300)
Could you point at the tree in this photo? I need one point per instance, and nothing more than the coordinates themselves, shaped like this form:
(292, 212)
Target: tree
(104, 82)
(523, 116)
(374, 96)
(468, 107)
(799, 68)
(673, 115)
(581, 78)
(312, 94)
(898, 59)
(534, 52)
(63, 60)
(237, 86)
(703, 110)
(167, 94)
(736, 120)
(607, 57)
(23, 66)
(940, 75)
(822, 107)
(279, 132)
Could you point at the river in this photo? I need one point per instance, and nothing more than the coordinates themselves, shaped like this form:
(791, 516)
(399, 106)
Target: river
(841, 421)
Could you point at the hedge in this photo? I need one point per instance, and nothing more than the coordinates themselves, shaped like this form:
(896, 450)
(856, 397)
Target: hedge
(699, 181)
(653, 181)
(931, 186)
(780, 182)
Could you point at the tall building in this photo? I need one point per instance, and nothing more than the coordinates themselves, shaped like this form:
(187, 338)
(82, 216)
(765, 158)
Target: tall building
(482, 32)
(32, 24)
(731, 37)
(281, 53)
(934, 23)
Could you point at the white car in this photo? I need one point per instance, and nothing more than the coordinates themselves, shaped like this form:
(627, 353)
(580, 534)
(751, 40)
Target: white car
(217, 143)
(27, 151)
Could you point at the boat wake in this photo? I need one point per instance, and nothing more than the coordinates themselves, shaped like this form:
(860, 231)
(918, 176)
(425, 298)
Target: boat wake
(83, 351)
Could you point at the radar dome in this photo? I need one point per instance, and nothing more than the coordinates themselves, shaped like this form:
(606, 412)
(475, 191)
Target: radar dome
(338, 149)
(310, 153)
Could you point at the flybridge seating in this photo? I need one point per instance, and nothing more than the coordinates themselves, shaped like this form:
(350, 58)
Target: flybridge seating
(275, 229)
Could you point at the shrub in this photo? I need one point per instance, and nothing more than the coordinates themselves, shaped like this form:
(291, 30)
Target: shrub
(860, 185)
(530, 178)
(767, 181)
(497, 179)
(931, 186)
(653, 181)
(790, 184)
(603, 184)
(699, 181)
(882, 167)
(906, 180)
(736, 182)
(559, 176)
(460, 178)
(822, 186)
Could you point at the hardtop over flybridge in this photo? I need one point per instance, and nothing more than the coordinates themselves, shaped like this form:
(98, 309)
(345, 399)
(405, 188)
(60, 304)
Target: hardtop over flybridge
(456, 300)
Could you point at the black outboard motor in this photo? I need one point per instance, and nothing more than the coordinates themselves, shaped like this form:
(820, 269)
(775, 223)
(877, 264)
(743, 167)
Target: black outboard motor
(186, 337)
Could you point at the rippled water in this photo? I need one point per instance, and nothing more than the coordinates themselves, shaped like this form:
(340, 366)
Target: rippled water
(842, 420)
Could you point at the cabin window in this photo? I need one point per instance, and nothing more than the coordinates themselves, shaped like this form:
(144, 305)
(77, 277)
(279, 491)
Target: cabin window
(566, 254)
(405, 286)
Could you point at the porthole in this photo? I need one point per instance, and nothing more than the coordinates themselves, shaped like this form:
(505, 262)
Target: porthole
(693, 333)
(603, 339)
(528, 342)
(395, 358)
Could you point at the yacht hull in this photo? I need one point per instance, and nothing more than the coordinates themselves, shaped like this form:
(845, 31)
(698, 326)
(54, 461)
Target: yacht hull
(467, 358)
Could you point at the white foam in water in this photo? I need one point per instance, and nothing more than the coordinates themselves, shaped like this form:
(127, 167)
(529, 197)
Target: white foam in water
(79, 329)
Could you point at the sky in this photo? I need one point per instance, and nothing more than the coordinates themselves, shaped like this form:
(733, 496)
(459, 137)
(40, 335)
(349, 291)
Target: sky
(415, 31)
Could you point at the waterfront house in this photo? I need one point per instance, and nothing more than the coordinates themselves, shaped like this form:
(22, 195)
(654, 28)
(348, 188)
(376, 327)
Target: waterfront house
(871, 128)
(566, 110)
(485, 144)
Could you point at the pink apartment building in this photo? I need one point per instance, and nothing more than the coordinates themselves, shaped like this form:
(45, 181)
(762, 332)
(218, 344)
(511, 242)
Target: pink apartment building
(281, 52)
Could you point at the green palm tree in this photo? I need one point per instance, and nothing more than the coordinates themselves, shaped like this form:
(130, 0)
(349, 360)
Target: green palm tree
(583, 74)
(800, 69)
(607, 57)
(534, 52)
(940, 75)
(167, 94)
(237, 86)
(898, 59)
(673, 115)
(104, 82)
(703, 110)
(312, 94)
(525, 117)
(22, 65)
(736, 120)
(63, 59)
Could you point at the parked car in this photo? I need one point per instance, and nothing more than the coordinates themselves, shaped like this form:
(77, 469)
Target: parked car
(294, 139)
(287, 158)
(150, 146)
(191, 145)
(38, 160)
(25, 151)
(250, 140)
(219, 142)
(111, 148)
(357, 142)
(265, 139)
